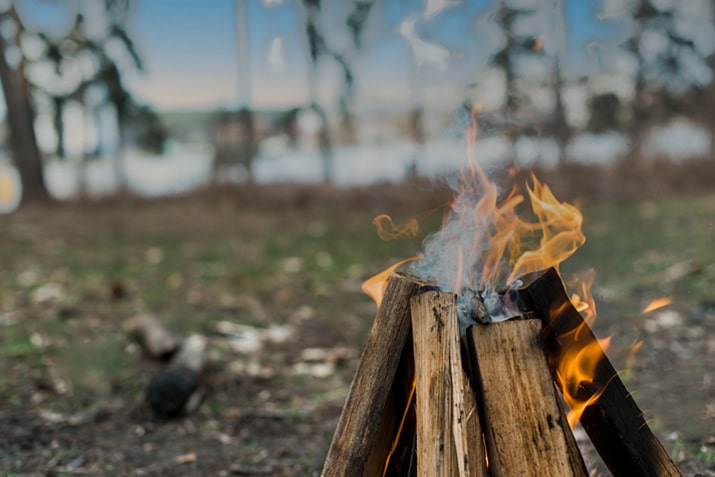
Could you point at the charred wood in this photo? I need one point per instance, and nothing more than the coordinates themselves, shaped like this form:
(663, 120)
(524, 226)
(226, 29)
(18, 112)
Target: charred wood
(614, 422)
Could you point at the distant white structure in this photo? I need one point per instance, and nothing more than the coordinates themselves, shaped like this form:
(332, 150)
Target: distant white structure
(10, 188)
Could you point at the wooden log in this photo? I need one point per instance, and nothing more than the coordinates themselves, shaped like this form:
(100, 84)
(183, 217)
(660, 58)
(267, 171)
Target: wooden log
(449, 436)
(393, 450)
(156, 341)
(364, 409)
(170, 391)
(526, 430)
(614, 422)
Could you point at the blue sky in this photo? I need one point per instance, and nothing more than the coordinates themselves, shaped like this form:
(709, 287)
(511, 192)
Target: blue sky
(190, 55)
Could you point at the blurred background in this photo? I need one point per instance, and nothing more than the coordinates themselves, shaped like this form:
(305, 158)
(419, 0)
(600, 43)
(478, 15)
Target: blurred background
(214, 168)
(162, 97)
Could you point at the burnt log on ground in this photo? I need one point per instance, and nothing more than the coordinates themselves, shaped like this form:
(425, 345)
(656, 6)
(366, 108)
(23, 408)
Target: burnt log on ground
(171, 390)
(614, 422)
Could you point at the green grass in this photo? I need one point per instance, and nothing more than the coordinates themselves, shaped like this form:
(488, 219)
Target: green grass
(196, 262)
(633, 245)
(190, 267)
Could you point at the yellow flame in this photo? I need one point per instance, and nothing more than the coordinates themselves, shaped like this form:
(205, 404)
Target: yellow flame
(575, 371)
(632, 351)
(657, 304)
(388, 230)
(560, 226)
(507, 246)
(398, 433)
(375, 286)
(582, 298)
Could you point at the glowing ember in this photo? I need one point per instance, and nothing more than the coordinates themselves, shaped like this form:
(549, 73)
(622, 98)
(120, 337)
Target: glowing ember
(657, 304)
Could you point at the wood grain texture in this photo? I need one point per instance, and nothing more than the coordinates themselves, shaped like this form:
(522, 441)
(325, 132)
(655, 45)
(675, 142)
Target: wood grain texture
(449, 437)
(363, 412)
(614, 422)
(526, 432)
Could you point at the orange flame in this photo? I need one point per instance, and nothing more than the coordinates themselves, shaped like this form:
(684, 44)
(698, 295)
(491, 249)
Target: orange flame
(575, 371)
(538, 44)
(657, 304)
(375, 286)
(485, 243)
(528, 246)
(388, 230)
(582, 299)
(632, 351)
(560, 227)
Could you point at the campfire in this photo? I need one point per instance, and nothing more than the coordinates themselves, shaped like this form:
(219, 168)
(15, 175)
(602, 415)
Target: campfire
(472, 355)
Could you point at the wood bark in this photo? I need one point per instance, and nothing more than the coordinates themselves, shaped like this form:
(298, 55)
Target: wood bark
(449, 435)
(364, 410)
(20, 121)
(156, 341)
(614, 422)
(527, 433)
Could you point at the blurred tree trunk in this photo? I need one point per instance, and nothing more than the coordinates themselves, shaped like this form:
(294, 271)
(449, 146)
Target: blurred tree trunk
(20, 121)
(59, 125)
(503, 58)
(514, 46)
(317, 48)
(710, 98)
(561, 129)
(639, 111)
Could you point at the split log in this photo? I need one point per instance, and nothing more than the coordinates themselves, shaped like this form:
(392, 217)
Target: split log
(443, 387)
(362, 417)
(170, 390)
(527, 433)
(156, 341)
(614, 422)
(449, 436)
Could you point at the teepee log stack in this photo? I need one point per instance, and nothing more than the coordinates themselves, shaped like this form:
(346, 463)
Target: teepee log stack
(427, 400)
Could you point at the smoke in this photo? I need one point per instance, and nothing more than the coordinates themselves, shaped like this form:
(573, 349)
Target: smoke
(425, 52)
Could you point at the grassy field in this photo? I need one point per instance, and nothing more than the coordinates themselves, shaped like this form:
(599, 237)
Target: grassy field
(73, 275)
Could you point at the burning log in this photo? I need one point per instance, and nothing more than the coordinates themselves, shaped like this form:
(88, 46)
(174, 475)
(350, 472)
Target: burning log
(410, 399)
(370, 421)
(614, 422)
(527, 432)
(449, 435)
